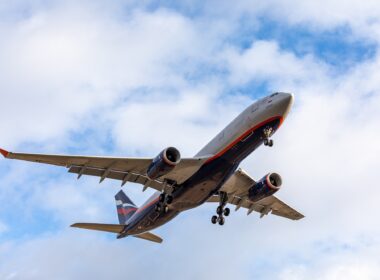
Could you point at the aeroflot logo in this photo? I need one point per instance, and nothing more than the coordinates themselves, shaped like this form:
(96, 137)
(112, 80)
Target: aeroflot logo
(120, 203)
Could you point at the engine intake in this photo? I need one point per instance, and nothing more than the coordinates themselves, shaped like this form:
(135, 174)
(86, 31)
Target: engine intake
(165, 162)
(265, 187)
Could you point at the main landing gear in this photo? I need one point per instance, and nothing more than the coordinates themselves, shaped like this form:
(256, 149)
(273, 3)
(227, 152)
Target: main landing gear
(267, 133)
(221, 211)
(165, 198)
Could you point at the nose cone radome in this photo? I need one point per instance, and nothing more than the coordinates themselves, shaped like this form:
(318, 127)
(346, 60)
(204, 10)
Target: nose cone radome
(284, 103)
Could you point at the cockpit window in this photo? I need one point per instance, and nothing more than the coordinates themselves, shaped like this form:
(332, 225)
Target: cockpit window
(274, 94)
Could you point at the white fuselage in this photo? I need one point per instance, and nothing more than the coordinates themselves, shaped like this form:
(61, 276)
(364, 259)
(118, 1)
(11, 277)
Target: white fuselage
(275, 105)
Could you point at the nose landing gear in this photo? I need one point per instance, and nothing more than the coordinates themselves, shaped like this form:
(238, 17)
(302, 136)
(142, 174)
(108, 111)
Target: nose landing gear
(268, 142)
(221, 211)
(268, 131)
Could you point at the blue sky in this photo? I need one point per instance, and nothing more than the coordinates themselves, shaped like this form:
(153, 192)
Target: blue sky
(129, 78)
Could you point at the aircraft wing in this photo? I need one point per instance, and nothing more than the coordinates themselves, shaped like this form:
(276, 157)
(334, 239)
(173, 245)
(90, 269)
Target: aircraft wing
(237, 189)
(118, 168)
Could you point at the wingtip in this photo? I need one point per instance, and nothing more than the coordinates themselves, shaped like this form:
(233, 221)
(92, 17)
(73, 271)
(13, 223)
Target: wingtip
(4, 153)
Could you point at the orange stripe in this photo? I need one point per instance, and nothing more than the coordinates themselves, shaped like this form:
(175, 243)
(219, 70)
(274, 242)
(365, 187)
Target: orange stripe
(225, 150)
(228, 147)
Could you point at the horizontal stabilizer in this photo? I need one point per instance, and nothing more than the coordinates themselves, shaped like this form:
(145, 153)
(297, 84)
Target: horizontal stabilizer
(149, 236)
(101, 227)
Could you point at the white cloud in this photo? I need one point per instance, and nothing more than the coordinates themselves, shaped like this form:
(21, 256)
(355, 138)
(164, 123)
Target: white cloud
(57, 66)
(193, 115)
(265, 61)
(132, 77)
(360, 19)
(361, 264)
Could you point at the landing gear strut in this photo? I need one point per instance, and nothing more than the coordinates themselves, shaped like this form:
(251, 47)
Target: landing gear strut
(221, 211)
(165, 198)
(267, 133)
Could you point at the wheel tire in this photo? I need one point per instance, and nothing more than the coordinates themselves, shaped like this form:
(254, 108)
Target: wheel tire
(219, 210)
(161, 198)
(270, 143)
(221, 221)
(214, 219)
(226, 212)
(169, 199)
(266, 142)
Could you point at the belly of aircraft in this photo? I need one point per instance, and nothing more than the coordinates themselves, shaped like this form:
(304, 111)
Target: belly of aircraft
(206, 182)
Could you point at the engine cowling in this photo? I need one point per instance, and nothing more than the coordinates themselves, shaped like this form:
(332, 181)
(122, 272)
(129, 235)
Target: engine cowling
(265, 187)
(165, 162)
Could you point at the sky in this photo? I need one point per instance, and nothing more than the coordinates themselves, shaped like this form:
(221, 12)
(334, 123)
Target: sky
(129, 78)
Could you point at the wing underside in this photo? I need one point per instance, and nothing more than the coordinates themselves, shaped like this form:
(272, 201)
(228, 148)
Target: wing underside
(134, 170)
(237, 189)
(118, 168)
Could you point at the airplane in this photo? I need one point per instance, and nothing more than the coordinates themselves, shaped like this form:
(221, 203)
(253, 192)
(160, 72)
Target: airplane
(212, 175)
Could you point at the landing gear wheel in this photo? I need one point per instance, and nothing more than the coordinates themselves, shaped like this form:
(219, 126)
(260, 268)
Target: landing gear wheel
(226, 212)
(214, 219)
(161, 198)
(169, 199)
(266, 142)
(220, 210)
(270, 143)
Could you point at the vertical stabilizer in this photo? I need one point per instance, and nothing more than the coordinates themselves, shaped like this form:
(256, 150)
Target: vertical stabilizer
(125, 207)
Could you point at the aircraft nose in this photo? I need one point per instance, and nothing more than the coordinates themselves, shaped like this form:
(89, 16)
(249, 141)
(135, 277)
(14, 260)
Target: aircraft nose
(284, 103)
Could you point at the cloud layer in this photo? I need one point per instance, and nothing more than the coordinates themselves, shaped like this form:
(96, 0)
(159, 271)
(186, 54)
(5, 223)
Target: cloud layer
(130, 78)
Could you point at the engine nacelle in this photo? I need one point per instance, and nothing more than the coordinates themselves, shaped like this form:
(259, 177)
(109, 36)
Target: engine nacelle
(267, 186)
(163, 163)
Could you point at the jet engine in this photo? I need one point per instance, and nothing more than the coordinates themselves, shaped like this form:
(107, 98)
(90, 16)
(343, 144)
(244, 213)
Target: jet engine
(163, 163)
(267, 186)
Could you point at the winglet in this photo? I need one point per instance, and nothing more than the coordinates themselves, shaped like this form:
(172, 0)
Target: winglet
(4, 153)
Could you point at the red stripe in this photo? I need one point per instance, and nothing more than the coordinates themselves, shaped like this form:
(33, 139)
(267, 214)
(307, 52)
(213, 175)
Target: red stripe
(4, 152)
(245, 134)
(225, 150)
(146, 206)
(124, 211)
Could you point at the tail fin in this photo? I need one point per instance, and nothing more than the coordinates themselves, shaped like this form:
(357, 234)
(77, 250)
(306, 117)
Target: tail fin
(125, 207)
